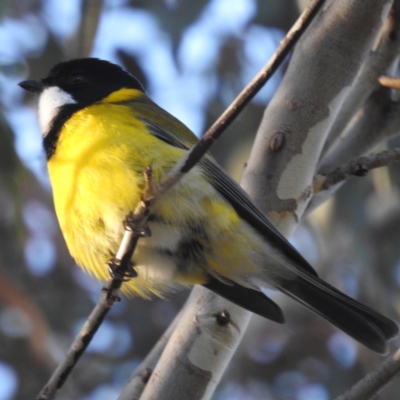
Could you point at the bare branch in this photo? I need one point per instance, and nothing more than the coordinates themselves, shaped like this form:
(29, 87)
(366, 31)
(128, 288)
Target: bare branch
(301, 112)
(267, 71)
(375, 381)
(199, 349)
(245, 96)
(79, 344)
(377, 120)
(390, 82)
(359, 167)
(138, 380)
(380, 60)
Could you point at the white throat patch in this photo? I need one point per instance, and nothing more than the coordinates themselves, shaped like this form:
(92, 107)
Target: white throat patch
(50, 100)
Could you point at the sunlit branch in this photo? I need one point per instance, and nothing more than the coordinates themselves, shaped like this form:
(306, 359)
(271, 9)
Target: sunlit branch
(390, 82)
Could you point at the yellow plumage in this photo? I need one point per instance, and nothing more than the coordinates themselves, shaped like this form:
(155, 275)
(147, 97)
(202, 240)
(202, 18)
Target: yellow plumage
(97, 178)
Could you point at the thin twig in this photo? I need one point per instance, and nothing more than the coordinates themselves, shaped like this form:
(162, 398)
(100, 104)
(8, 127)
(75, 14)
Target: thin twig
(359, 167)
(82, 340)
(390, 82)
(245, 96)
(120, 266)
(191, 158)
(375, 381)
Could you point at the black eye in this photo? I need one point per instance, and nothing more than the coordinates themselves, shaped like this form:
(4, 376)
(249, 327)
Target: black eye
(77, 78)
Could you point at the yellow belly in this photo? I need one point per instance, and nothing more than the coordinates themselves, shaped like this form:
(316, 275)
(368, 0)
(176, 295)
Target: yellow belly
(97, 178)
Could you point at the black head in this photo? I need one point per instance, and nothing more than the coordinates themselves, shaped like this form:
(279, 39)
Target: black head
(87, 80)
(71, 86)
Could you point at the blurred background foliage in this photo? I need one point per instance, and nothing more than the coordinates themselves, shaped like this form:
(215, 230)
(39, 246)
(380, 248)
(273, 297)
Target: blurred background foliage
(193, 57)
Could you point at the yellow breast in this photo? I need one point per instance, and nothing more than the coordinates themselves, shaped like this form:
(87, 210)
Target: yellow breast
(97, 177)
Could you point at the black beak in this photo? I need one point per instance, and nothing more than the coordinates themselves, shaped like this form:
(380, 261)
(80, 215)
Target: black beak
(36, 87)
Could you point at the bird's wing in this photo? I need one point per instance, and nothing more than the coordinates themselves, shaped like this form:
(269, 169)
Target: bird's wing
(249, 212)
(252, 300)
(360, 322)
(239, 200)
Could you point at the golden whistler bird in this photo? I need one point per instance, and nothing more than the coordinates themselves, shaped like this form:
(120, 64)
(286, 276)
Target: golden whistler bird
(100, 132)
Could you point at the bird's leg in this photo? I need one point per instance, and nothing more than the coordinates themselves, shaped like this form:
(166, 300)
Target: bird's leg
(115, 270)
(130, 223)
(136, 222)
(139, 229)
(150, 190)
(135, 226)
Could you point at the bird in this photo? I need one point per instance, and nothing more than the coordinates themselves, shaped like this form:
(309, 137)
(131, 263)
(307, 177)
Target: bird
(100, 132)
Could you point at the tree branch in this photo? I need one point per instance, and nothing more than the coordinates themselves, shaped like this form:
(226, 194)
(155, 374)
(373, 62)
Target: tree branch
(377, 120)
(359, 167)
(79, 344)
(382, 59)
(199, 349)
(375, 381)
(245, 96)
(302, 112)
(138, 380)
(390, 82)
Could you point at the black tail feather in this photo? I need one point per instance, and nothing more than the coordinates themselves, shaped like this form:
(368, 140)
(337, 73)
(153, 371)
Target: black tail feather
(362, 323)
(249, 299)
(359, 321)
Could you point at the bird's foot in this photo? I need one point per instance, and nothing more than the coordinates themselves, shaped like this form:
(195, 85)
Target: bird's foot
(132, 224)
(115, 270)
